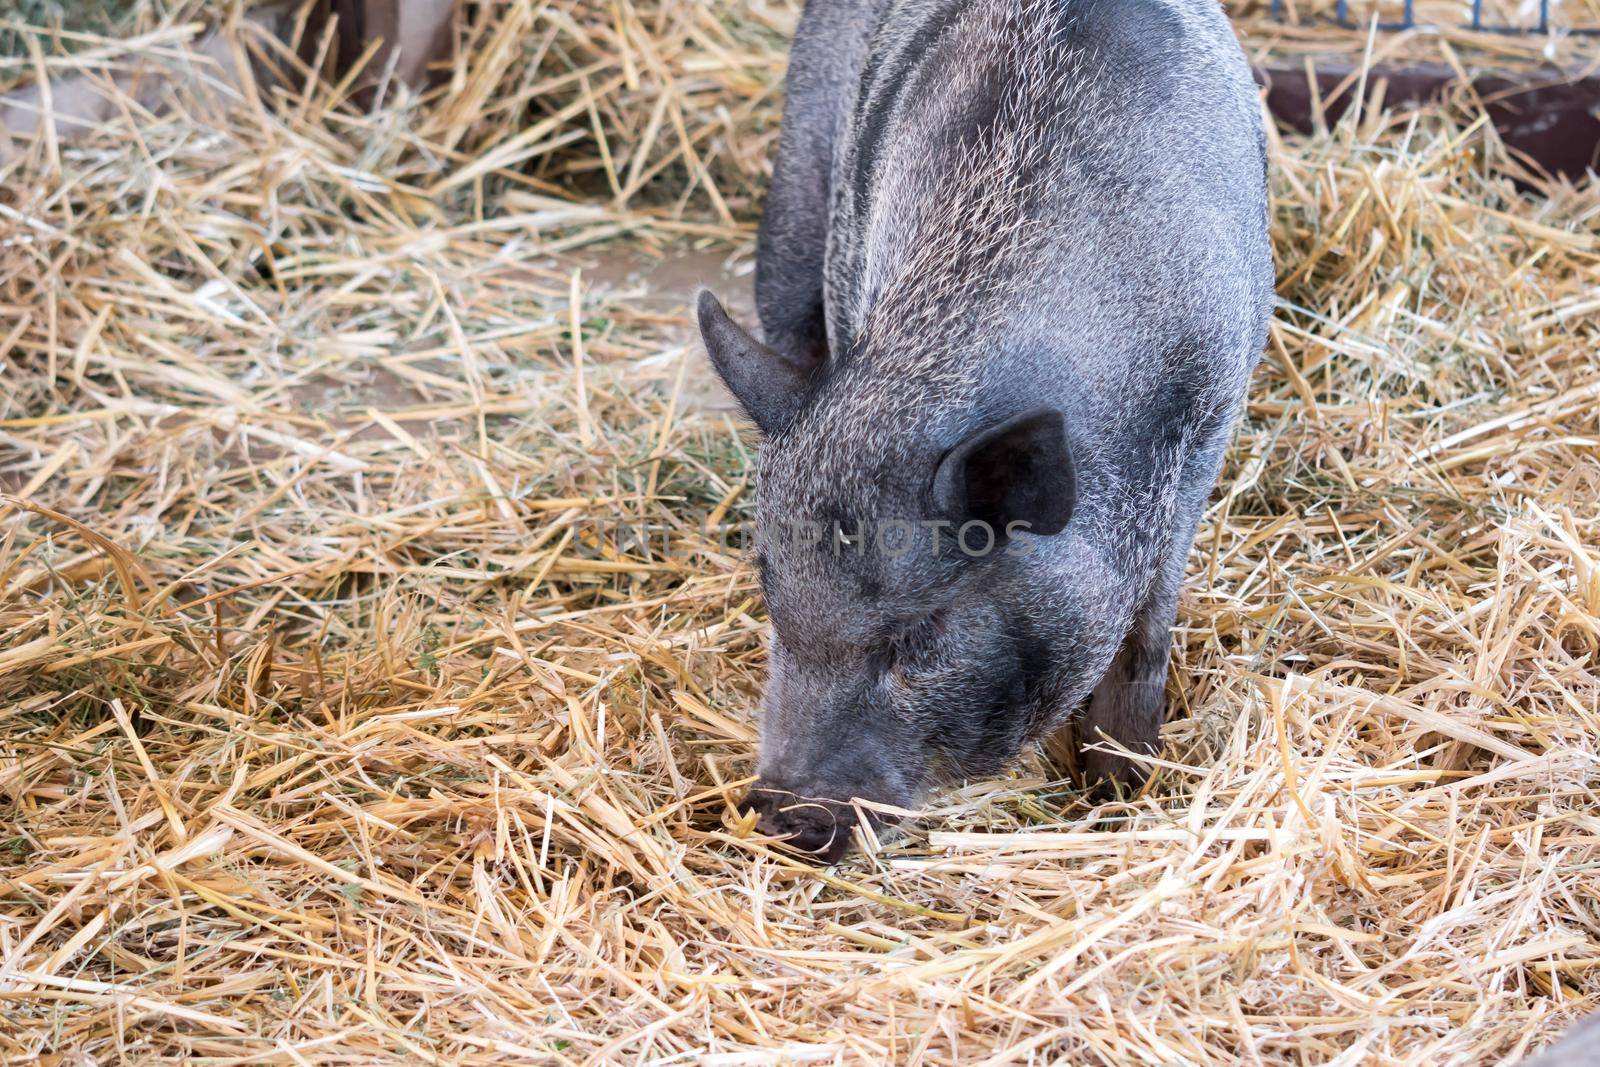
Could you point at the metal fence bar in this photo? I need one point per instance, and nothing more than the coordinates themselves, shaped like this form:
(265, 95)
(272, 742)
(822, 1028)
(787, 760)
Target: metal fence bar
(1409, 20)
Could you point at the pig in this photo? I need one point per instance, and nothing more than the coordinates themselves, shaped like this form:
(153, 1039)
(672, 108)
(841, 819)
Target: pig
(1013, 276)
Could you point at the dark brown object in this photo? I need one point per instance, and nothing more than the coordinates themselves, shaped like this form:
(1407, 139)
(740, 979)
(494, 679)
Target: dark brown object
(1550, 120)
(419, 30)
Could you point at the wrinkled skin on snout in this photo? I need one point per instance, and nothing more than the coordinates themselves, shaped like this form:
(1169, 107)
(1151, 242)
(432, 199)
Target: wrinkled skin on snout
(881, 709)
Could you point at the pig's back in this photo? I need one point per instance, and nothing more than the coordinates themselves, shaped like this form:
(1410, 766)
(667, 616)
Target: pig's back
(1051, 196)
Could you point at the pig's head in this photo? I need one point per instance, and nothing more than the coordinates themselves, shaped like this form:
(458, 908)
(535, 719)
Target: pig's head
(898, 655)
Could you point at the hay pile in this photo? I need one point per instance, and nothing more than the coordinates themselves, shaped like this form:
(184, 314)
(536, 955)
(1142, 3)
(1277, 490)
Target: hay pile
(338, 724)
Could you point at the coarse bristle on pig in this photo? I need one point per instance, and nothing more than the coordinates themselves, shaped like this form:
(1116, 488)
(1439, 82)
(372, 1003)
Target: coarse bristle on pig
(379, 644)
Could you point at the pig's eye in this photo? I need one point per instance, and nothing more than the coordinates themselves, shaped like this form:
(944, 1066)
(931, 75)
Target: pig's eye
(919, 639)
(913, 654)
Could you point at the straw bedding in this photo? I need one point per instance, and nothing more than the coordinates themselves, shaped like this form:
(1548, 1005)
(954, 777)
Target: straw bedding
(340, 723)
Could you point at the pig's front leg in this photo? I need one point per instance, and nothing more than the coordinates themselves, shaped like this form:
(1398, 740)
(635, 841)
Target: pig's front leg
(1127, 704)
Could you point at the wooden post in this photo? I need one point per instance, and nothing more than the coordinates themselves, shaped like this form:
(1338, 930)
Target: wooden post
(416, 32)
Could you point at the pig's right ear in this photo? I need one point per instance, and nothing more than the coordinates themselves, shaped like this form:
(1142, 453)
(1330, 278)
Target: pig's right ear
(1017, 472)
(767, 384)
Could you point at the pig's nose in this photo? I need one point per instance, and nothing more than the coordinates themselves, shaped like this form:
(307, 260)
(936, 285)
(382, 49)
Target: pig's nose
(819, 827)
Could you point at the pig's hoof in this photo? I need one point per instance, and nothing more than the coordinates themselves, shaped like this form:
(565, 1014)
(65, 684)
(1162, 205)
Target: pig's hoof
(1108, 776)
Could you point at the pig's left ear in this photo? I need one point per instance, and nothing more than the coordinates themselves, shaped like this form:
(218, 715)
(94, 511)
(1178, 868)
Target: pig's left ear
(1017, 472)
(768, 385)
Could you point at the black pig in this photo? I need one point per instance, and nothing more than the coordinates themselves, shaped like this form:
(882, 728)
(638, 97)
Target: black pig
(1013, 274)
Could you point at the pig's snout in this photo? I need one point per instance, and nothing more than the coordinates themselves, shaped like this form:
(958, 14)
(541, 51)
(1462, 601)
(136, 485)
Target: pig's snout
(822, 828)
